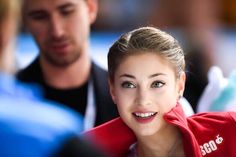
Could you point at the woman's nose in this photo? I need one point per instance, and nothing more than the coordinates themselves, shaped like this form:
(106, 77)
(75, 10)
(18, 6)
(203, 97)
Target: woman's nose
(143, 97)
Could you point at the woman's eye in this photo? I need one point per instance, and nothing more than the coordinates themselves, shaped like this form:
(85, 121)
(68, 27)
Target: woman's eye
(128, 85)
(157, 84)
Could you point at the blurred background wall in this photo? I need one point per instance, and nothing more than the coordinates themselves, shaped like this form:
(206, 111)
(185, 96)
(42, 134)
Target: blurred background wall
(205, 28)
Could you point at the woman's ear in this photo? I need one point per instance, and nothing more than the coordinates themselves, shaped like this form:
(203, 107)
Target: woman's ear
(112, 90)
(181, 83)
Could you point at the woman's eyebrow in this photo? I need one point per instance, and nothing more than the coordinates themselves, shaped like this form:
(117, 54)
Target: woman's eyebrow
(133, 77)
(156, 74)
(127, 75)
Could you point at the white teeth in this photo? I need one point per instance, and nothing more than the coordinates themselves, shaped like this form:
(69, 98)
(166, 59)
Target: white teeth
(144, 115)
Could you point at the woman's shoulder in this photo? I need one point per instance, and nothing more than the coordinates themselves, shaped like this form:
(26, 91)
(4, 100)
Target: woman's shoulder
(114, 137)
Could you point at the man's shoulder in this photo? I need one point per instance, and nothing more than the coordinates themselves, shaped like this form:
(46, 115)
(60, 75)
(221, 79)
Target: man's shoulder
(31, 73)
(99, 75)
(97, 69)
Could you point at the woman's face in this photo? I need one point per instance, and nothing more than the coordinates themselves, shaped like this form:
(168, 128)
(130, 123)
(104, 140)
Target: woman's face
(144, 89)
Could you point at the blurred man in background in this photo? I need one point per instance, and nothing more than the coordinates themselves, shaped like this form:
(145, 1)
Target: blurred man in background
(64, 68)
(30, 127)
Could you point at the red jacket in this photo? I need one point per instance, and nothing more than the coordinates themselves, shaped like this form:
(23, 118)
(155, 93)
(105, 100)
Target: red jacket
(206, 134)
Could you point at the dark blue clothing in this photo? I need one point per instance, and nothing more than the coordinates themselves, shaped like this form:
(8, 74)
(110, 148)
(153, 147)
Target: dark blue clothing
(30, 127)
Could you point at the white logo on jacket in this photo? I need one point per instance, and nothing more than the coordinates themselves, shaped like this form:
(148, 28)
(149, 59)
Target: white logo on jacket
(211, 146)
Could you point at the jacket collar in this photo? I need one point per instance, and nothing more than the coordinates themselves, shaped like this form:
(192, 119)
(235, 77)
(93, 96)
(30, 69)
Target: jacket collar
(177, 117)
(115, 137)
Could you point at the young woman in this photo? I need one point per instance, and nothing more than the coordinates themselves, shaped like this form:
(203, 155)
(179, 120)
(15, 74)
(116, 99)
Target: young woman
(147, 79)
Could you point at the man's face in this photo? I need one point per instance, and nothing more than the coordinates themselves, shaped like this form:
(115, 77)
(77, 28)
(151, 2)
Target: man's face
(60, 27)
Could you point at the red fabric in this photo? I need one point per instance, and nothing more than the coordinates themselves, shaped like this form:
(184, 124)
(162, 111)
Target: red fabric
(114, 137)
(205, 134)
(208, 128)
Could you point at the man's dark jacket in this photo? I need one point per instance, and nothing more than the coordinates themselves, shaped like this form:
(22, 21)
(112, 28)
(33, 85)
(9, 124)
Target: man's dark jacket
(106, 109)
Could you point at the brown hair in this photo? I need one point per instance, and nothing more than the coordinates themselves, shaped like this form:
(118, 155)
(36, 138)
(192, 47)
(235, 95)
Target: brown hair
(9, 8)
(9, 22)
(146, 40)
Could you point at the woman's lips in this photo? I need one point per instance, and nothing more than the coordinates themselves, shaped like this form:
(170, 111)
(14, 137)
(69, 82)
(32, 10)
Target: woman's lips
(144, 117)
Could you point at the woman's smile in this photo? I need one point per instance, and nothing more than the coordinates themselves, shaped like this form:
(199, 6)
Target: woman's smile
(144, 117)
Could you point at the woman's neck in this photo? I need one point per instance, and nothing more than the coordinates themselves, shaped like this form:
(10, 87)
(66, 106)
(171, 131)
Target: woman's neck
(164, 143)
